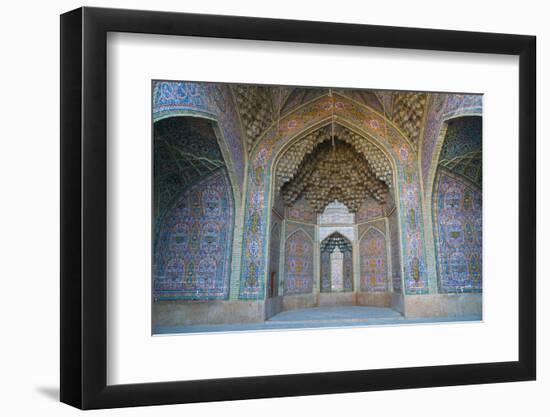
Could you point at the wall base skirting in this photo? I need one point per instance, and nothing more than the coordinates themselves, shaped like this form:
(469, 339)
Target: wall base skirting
(443, 305)
(293, 302)
(327, 299)
(374, 299)
(183, 313)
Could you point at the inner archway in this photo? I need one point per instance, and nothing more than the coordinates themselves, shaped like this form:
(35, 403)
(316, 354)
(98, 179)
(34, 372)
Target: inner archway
(336, 264)
(331, 187)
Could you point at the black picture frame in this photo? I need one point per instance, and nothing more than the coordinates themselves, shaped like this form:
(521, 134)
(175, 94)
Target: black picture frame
(84, 207)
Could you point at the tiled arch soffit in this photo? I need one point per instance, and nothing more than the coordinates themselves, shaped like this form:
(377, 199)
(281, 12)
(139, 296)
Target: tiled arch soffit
(262, 105)
(335, 103)
(221, 140)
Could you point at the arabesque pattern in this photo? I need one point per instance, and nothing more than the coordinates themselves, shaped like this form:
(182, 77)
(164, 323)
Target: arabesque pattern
(299, 264)
(193, 253)
(373, 259)
(458, 231)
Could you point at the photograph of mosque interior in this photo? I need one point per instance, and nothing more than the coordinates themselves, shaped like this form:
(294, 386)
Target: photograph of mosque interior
(283, 207)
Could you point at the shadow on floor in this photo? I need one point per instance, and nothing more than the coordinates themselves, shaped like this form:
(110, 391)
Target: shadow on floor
(50, 392)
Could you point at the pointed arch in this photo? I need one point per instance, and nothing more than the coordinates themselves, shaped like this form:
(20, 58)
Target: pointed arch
(455, 204)
(378, 130)
(336, 262)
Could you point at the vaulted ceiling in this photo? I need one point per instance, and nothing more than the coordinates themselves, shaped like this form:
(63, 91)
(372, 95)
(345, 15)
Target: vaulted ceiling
(461, 151)
(186, 150)
(261, 106)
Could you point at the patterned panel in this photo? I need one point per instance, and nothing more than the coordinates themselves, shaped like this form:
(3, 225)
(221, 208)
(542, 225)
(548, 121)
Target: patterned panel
(373, 255)
(228, 120)
(298, 264)
(169, 96)
(193, 256)
(431, 133)
(457, 219)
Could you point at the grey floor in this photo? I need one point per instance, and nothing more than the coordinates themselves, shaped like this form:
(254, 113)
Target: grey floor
(317, 317)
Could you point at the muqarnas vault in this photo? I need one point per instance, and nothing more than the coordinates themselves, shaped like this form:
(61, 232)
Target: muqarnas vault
(321, 204)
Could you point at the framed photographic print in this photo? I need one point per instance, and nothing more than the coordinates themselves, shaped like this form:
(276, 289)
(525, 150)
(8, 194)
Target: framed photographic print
(256, 208)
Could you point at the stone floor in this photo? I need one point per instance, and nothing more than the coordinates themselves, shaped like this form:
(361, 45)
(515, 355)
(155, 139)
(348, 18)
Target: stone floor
(330, 314)
(317, 317)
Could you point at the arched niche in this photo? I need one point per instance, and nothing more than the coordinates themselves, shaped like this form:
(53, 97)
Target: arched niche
(291, 128)
(456, 205)
(194, 212)
(336, 261)
(442, 109)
